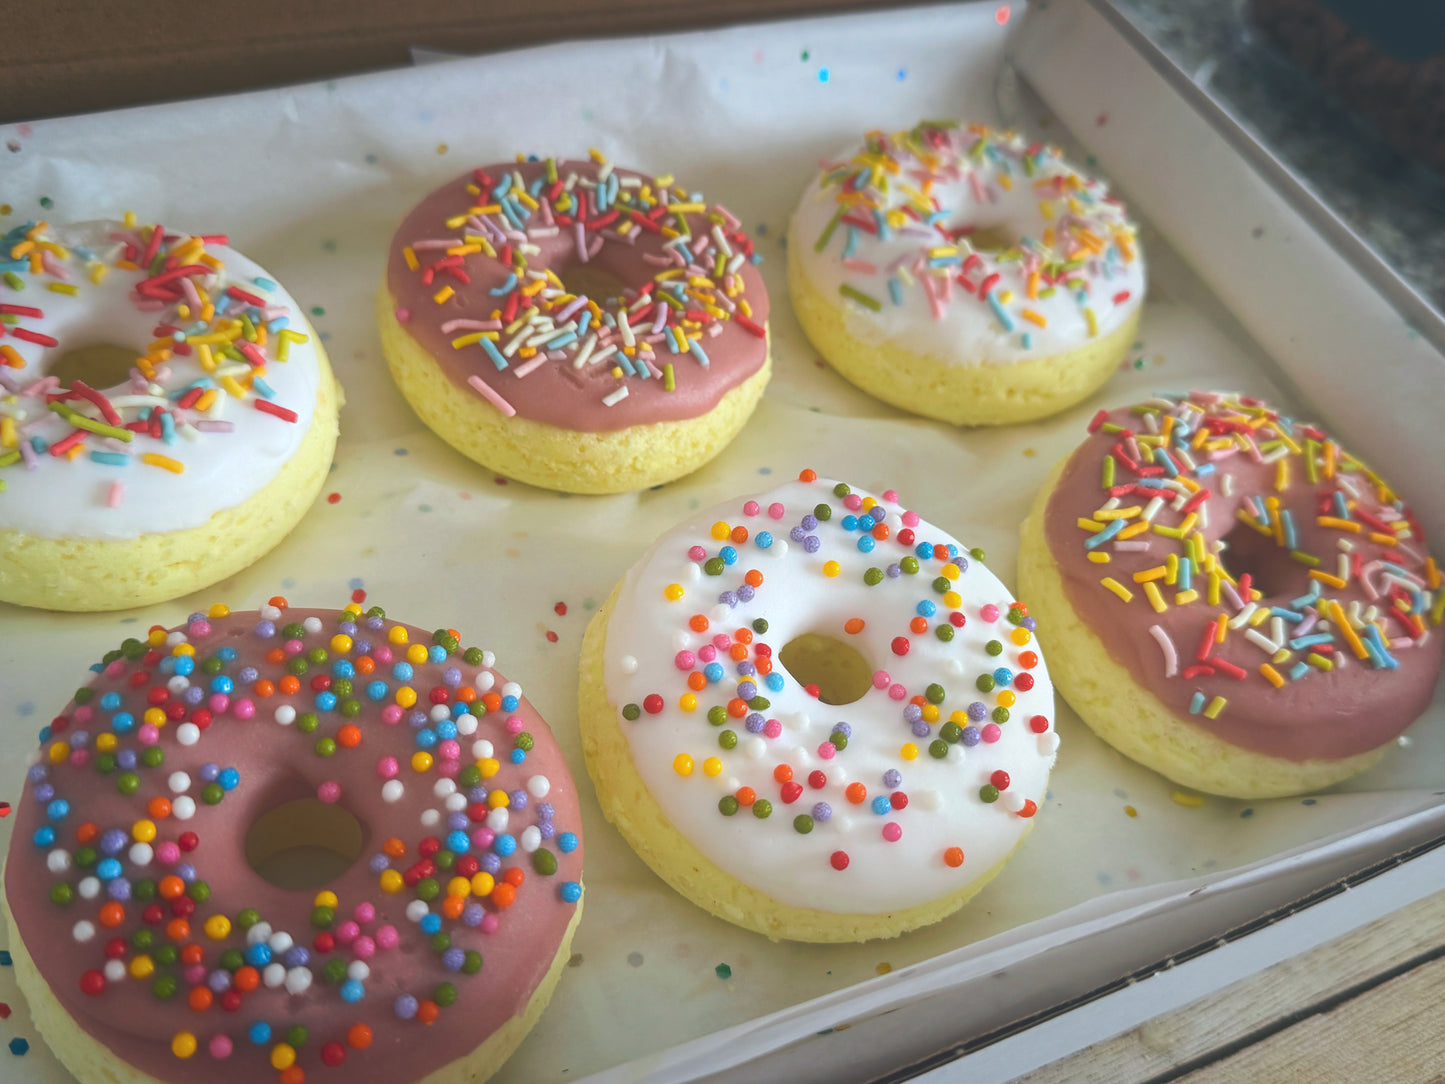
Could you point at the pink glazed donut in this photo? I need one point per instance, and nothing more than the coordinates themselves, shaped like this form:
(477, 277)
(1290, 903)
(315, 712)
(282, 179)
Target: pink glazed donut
(150, 944)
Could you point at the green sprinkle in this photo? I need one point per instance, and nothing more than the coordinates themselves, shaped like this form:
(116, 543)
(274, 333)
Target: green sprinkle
(723, 971)
(868, 301)
(827, 235)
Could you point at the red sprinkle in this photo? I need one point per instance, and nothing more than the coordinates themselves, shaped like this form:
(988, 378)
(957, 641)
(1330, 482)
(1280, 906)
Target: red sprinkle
(268, 407)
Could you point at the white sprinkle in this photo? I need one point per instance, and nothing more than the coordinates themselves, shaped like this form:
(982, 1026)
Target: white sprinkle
(188, 733)
(457, 802)
(444, 787)
(312, 625)
(482, 749)
(285, 715)
(83, 931)
(531, 838)
(484, 682)
(259, 934)
(467, 725)
(628, 664)
(179, 782)
(298, 980)
(538, 786)
(280, 941)
(1012, 800)
(417, 910)
(430, 817)
(613, 398)
(755, 748)
(178, 684)
(183, 808)
(141, 854)
(358, 971)
(274, 975)
(439, 713)
(392, 790)
(58, 861)
(511, 688)
(497, 819)
(88, 888)
(1048, 743)
(114, 970)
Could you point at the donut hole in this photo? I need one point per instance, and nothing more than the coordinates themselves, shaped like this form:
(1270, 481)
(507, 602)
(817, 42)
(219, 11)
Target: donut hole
(592, 280)
(988, 238)
(1270, 567)
(100, 365)
(841, 674)
(304, 844)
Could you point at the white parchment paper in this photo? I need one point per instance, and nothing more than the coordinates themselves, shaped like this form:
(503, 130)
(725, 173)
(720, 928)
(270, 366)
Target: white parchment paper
(311, 181)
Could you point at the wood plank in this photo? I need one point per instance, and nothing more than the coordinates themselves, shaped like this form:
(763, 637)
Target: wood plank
(1392, 1033)
(1231, 1016)
(94, 54)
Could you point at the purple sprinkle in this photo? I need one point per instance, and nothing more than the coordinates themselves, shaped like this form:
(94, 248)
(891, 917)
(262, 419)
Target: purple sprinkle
(893, 571)
(971, 735)
(977, 710)
(296, 956)
(219, 980)
(746, 669)
(79, 739)
(477, 794)
(546, 812)
(519, 800)
(453, 958)
(193, 695)
(473, 913)
(361, 647)
(843, 728)
(747, 690)
(892, 779)
(755, 722)
(44, 793)
(451, 677)
(416, 719)
(265, 629)
(809, 522)
(248, 675)
(491, 862)
(405, 1006)
(457, 822)
(126, 759)
(912, 713)
(961, 562)
(822, 811)
(118, 889)
(375, 624)
(1029, 623)
(920, 729)
(746, 592)
(209, 772)
(812, 543)
(379, 863)
(347, 628)
(113, 841)
(186, 872)
(547, 829)
(797, 534)
(728, 598)
(37, 773)
(195, 617)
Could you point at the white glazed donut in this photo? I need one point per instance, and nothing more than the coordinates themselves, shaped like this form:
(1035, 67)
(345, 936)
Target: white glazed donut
(180, 473)
(965, 274)
(867, 818)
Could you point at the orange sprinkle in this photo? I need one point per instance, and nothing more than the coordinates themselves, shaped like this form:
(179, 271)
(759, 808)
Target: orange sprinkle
(290, 684)
(349, 736)
(754, 578)
(808, 476)
(263, 688)
(856, 793)
(743, 636)
(698, 623)
(112, 915)
(393, 848)
(919, 624)
(746, 796)
(953, 857)
(853, 626)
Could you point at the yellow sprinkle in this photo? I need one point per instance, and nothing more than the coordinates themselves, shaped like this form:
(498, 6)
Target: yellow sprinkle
(233, 386)
(391, 882)
(1184, 798)
(682, 764)
(909, 751)
(207, 400)
(1098, 558)
(1118, 513)
(1318, 660)
(443, 295)
(1171, 569)
(1326, 578)
(217, 927)
(1158, 572)
(1384, 539)
(832, 568)
(1184, 598)
(1090, 525)
(1117, 587)
(184, 1044)
(1029, 314)
(1156, 600)
(1130, 811)
(1215, 707)
(1092, 321)
(1188, 524)
(672, 592)
(1273, 676)
(165, 462)
(64, 288)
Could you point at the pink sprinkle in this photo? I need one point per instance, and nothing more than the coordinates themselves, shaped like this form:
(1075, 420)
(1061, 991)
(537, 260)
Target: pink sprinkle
(910, 519)
(363, 948)
(195, 974)
(852, 502)
(347, 932)
(168, 853)
(329, 792)
(881, 679)
(891, 496)
(79, 758)
(364, 912)
(114, 495)
(697, 553)
(772, 728)
(776, 510)
(403, 315)
(219, 702)
(292, 647)
(243, 708)
(490, 922)
(827, 750)
(989, 612)
(115, 669)
(992, 733)
(391, 714)
(685, 660)
(515, 725)
(199, 628)
(892, 832)
(752, 508)
(387, 937)
(897, 692)
(707, 653)
(82, 715)
(486, 391)
(387, 768)
(482, 838)
(722, 641)
(449, 750)
(448, 769)
(220, 1047)
(382, 654)
(148, 734)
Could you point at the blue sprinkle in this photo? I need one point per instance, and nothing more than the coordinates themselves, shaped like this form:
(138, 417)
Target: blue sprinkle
(823, 75)
(571, 892)
(1196, 703)
(19, 1047)
(502, 290)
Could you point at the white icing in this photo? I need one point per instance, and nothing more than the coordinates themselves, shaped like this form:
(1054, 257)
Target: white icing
(968, 331)
(61, 498)
(944, 810)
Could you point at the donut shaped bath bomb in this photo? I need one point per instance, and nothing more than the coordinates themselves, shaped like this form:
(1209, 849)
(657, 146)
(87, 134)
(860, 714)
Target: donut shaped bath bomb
(817, 716)
(965, 274)
(574, 325)
(1232, 599)
(167, 415)
(271, 844)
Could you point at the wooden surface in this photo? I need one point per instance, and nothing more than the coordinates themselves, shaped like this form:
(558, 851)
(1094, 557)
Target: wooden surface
(1369, 1006)
(78, 56)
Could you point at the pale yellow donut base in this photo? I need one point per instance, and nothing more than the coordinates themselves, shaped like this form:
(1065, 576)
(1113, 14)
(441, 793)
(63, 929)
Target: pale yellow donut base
(549, 456)
(1020, 391)
(90, 1062)
(631, 809)
(1132, 719)
(91, 574)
